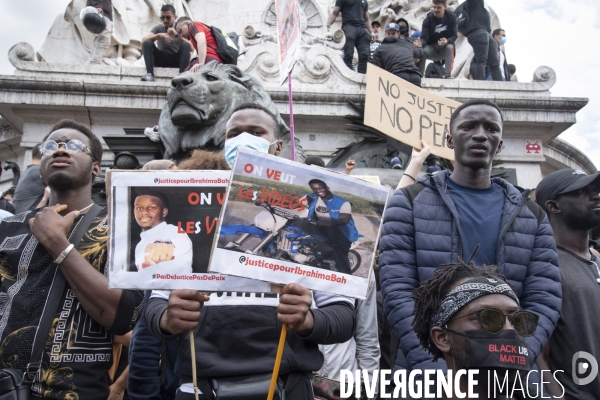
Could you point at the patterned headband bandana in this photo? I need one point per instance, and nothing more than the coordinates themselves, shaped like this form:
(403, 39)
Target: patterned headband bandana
(465, 293)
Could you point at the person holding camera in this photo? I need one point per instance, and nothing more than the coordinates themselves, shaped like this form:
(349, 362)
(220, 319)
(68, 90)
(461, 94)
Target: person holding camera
(102, 39)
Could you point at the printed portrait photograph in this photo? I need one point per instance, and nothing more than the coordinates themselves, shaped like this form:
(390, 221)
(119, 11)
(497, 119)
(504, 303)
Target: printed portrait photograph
(305, 215)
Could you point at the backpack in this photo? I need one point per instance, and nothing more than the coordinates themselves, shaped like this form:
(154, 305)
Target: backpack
(462, 18)
(226, 48)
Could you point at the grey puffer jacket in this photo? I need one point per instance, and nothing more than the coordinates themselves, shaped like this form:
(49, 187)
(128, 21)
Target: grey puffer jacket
(419, 236)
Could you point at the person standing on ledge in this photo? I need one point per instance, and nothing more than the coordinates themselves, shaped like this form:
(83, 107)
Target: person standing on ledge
(101, 40)
(357, 29)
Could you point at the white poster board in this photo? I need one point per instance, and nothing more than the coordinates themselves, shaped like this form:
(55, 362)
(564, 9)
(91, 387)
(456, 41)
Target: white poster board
(289, 36)
(162, 227)
(286, 222)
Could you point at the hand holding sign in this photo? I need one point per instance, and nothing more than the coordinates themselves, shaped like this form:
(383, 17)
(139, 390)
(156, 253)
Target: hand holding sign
(408, 113)
(419, 156)
(183, 311)
(294, 309)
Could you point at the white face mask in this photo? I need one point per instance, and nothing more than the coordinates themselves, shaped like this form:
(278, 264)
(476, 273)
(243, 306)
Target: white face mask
(246, 140)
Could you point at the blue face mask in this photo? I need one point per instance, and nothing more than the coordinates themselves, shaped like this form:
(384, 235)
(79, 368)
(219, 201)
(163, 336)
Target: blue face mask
(502, 41)
(246, 140)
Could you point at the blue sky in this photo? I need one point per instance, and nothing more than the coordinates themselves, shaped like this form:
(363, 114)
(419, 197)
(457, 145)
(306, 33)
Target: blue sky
(561, 34)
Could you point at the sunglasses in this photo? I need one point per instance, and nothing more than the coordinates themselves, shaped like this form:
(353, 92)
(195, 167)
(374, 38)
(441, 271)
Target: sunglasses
(73, 146)
(165, 17)
(493, 320)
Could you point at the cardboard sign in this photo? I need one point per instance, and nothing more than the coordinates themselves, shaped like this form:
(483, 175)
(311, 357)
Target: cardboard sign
(162, 227)
(288, 35)
(408, 113)
(287, 222)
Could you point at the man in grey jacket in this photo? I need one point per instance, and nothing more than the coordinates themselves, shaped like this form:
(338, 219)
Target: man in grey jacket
(470, 215)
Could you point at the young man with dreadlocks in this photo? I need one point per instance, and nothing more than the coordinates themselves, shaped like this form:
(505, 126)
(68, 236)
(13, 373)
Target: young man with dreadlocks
(448, 215)
(471, 317)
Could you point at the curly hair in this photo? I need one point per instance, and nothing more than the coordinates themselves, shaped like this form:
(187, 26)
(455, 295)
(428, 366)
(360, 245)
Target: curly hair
(428, 297)
(203, 159)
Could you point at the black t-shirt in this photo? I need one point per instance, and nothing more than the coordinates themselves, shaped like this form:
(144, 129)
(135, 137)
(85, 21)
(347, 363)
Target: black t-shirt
(578, 328)
(353, 11)
(78, 352)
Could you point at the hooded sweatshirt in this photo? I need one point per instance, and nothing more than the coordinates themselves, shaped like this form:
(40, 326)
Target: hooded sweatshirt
(238, 334)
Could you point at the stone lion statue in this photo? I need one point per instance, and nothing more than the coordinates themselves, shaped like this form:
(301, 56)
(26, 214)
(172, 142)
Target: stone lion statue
(199, 105)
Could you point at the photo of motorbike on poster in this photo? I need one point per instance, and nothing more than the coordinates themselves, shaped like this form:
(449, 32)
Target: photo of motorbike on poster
(286, 222)
(162, 227)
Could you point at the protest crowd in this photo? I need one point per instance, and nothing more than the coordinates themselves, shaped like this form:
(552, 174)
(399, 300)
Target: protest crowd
(466, 263)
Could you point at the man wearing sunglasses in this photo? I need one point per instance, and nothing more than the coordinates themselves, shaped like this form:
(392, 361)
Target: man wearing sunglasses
(471, 317)
(467, 214)
(33, 245)
(163, 47)
(572, 200)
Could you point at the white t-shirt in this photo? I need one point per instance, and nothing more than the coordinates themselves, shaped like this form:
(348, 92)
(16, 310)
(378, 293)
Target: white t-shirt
(323, 214)
(502, 59)
(183, 253)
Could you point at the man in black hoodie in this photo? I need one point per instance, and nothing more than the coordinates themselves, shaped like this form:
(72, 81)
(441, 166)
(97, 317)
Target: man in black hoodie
(475, 23)
(236, 334)
(438, 36)
(397, 55)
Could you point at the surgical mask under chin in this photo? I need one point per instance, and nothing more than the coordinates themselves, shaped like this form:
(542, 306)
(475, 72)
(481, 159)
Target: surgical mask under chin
(502, 41)
(246, 140)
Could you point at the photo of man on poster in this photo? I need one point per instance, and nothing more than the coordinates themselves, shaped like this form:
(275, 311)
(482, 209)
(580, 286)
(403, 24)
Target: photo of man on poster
(330, 220)
(162, 247)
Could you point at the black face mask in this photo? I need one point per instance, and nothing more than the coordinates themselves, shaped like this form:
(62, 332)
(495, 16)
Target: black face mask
(503, 355)
(506, 350)
(403, 29)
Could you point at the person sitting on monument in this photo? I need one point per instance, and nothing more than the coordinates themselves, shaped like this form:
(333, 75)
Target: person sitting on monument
(239, 331)
(438, 35)
(202, 40)
(163, 47)
(396, 55)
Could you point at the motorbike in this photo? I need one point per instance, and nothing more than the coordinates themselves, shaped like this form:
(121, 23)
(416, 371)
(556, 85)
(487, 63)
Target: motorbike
(280, 239)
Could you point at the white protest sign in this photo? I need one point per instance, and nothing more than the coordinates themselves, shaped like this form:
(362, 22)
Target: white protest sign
(289, 36)
(162, 227)
(286, 222)
(408, 113)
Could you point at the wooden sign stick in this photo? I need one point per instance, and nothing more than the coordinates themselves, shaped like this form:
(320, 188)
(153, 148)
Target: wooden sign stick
(278, 358)
(193, 351)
